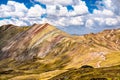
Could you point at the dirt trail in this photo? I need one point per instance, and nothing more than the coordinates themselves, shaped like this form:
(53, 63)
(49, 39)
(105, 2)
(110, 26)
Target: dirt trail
(103, 58)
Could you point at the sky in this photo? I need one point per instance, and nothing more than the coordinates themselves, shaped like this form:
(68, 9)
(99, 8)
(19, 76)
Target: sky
(72, 16)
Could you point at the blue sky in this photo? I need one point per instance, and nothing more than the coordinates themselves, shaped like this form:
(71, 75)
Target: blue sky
(30, 3)
(72, 16)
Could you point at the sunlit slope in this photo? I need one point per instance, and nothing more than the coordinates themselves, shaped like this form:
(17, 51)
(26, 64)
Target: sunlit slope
(44, 49)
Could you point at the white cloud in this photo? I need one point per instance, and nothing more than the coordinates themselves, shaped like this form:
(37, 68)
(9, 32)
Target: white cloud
(80, 9)
(12, 21)
(18, 11)
(111, 21)
(17, 6)
(59, 15)
(51, 10)
(103, 12)
(112, 5)
(89, 23)
(13, 9)
(35, 11)
(53, 2)
(60, 2)
(62, 11)
(76, 21)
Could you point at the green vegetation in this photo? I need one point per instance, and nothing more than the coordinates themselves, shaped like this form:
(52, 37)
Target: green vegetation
(10, 68)
(107, 73)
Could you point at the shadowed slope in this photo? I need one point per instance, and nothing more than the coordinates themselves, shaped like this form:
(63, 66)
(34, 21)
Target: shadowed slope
(8, 31)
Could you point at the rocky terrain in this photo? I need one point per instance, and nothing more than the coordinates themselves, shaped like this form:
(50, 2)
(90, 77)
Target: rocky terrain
(41, 52)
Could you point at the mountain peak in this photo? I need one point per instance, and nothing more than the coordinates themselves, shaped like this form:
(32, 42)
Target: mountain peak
(26, 40)
(6, 27)
(43, 47)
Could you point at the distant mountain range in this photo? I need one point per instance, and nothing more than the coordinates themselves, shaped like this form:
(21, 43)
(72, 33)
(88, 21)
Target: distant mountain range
(41, 52)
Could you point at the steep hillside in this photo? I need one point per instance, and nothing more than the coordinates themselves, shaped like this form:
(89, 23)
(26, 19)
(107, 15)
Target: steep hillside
(8, 31)
(42, 51)
(35, 42)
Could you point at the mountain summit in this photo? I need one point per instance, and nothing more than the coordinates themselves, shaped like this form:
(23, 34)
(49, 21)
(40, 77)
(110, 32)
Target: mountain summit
(44, 48)
(28, 44)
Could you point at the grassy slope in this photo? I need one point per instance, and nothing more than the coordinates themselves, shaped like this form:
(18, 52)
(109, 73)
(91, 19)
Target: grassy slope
(110, 73)
(30, 71)
(69, 52)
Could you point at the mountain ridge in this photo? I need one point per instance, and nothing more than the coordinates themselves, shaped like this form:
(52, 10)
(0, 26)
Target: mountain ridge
(44, 48)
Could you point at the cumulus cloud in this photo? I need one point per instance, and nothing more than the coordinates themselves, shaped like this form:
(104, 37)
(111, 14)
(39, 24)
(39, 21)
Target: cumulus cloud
(54, 2)
(57, 13)
(60, 2)
(19, 14)
(112, 5)
(104, 12)
(13, 9)
(111, 21)
(35, 11)
(107, 16)
(79, 10)
(89, 23)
